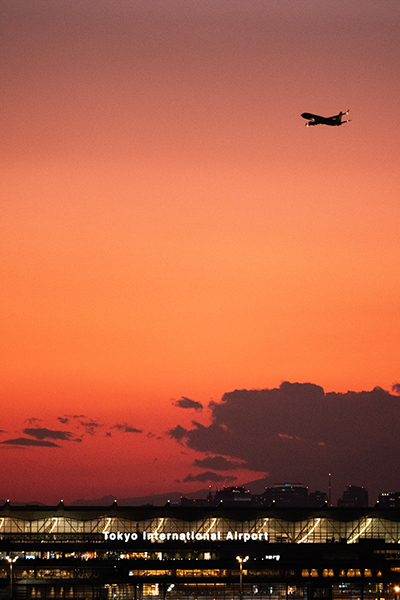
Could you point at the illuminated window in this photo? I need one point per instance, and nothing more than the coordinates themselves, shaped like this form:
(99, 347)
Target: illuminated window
(150, 590)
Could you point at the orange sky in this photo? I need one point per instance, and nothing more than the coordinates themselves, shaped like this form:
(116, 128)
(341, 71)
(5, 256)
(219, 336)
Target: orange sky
(170, 228)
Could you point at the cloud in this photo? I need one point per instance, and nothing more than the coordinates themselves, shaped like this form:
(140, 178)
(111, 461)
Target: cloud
(188, 403)
(208, 476)
(41, 433)
(298, 432)
(396, 388)
(79, 426)
(218, 463)
(90, 427)
(178, 433)
(29, 442)
(127, 428)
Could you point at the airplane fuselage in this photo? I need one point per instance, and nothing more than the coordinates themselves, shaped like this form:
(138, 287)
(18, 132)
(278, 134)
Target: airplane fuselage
(334, 121)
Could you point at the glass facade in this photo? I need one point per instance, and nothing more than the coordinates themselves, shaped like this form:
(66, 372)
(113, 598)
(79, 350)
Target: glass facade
(313, 529)
(172, 553)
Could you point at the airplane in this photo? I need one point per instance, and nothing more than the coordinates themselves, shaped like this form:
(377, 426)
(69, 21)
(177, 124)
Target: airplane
(317, 120)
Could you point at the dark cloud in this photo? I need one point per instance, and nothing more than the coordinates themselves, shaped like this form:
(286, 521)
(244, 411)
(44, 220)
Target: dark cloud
(298, 432)
(208, 476)
(30, 442)
(188, 403)
(90, 427)
(396, 388)
(41, 433)
(218, 463)
(127, 428)
(63, 420)
(178, 433)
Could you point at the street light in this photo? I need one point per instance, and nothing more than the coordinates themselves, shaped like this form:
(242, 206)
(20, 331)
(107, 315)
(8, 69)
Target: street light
(10, 562)
(397, 590)
(241, 560)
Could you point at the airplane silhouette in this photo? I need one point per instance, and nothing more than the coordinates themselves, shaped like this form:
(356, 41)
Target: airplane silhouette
(318, 120)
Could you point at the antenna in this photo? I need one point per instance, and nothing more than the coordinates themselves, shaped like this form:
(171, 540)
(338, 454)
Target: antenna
(330, 490)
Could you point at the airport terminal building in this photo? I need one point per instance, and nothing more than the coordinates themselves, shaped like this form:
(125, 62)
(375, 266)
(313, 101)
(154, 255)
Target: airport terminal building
(207, 552)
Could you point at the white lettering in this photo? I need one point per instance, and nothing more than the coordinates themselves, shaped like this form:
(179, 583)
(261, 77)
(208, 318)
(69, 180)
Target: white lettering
(187, 536)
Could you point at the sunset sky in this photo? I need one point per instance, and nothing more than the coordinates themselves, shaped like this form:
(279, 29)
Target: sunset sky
(171, 232)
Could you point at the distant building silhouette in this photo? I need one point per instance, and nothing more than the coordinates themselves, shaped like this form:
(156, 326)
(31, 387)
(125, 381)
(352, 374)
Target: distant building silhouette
(317, 499)
(353, 496)
(389, 500)
(234, 496)
(286, 494)
(294, 495)
(185, 501)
